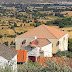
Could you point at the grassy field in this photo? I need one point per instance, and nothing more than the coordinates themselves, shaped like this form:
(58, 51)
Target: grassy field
(5, 39)
(7, 31)
(68, 30)
(22, 29)
(69, 13)
(49, 18)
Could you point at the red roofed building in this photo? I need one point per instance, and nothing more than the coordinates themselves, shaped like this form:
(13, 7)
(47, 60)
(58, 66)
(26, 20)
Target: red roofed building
(42, 41)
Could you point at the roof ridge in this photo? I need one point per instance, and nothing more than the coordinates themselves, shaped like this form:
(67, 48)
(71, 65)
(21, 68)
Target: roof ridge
(49, 31)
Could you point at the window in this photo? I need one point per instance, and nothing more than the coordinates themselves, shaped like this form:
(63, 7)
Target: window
(24, 41)
(57, 43)
(32, 48)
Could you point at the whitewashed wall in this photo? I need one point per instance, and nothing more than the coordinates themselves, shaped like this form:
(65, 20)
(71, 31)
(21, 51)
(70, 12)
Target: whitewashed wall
(47, 50)
(3, 61)
(12, 63)
(35, 52)
(63, 43)
(19, 40)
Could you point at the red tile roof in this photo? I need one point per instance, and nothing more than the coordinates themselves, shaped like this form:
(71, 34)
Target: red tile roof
(55, 59)
(44, 31)
(21, 57)
(40, 42)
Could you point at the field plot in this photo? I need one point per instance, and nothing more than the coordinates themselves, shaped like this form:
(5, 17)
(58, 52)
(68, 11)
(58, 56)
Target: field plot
(67, 13)
(49, 18)
(68, 30)
(5, 39)
(22, 29)
(7, 31)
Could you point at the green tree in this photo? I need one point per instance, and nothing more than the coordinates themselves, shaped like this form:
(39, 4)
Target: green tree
(11, 43)
(64, 53)
(70, 45)
(15, 25)
(24, 24)
(1, 36)
(24, 20)
(28, 21)
(20, 25)
(38, 23)
(6, 43)
(12, 27)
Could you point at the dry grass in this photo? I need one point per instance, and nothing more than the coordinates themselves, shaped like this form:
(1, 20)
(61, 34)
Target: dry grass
(22, 29)
(7, 31)
(5, 39)
(46, 11)
(68, 30)
(69, 13)
(50, 18)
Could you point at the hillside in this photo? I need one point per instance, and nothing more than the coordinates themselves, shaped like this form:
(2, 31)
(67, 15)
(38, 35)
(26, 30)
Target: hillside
(20, 1)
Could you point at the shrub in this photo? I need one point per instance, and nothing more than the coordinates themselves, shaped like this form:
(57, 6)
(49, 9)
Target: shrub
(2, 28)
(70, 45)
(11, 43)
(6, 43)
(30, 20)
(50, 66)
(24, 20)
(20, 25)
(63, 53)
(24, 24)
(1, 36)
(19, 33)
(12, 36)
(31, 24)
(25, 31)
(59, 15)
(15, 25)
(61, 25)
(12, 27)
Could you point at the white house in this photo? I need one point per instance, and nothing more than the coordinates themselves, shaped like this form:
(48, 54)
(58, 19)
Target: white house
(42, 40)
(39, 47)
(8, 56)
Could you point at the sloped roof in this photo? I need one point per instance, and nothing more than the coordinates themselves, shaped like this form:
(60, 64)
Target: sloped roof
(40, 42)
(44, 31)
(22, 54)
(7, 52)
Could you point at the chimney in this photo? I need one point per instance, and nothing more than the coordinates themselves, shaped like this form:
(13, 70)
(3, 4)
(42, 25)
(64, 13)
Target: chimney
(35, 37)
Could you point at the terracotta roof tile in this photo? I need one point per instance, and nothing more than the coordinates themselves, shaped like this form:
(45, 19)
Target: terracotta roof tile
(21, 57)
(41, 42)
(55, 59)
(44, 31)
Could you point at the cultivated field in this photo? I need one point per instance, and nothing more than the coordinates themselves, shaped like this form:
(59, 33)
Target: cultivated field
(68, 13)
